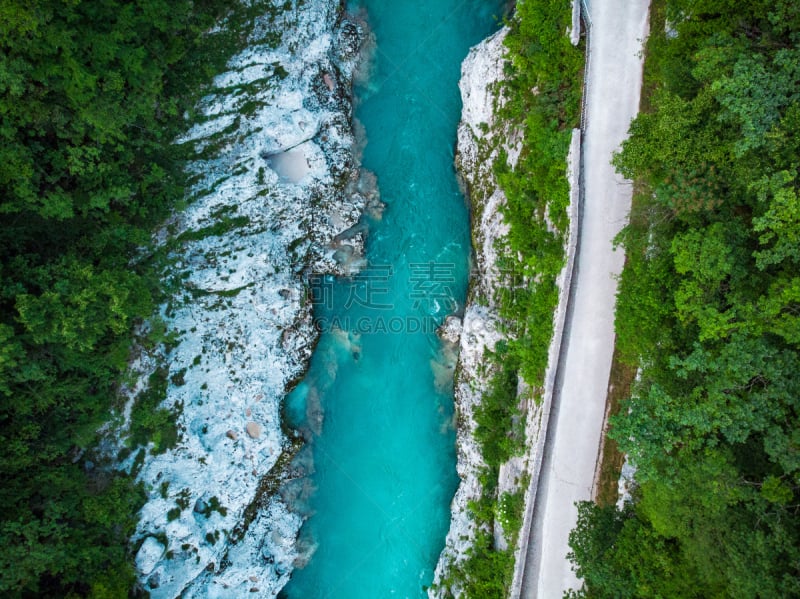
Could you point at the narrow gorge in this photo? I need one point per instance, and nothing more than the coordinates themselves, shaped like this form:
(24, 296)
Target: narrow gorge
(317, 240)
(366, 299)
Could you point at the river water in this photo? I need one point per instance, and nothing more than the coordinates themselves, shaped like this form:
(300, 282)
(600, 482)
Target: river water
(377, 403)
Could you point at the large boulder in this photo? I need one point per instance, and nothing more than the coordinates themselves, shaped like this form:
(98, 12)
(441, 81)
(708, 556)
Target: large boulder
(149, 554)
(253, 429)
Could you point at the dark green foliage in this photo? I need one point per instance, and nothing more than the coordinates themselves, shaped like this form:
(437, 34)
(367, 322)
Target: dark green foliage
(541, 59)
(709, 308)
(149, 421)
(178, 378)
(183, 499)
(496, 416)
(490, 571)
(215, 506)
(220, 227)
(173, 514)
(510, 511)
(91, 95)
(621, 556)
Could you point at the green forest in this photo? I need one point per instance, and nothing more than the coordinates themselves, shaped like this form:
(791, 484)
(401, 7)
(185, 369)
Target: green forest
(91, 95)
(709, 312)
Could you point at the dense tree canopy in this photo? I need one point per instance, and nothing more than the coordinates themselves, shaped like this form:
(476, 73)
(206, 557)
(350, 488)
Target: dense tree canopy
(90, 97)
(709, 309)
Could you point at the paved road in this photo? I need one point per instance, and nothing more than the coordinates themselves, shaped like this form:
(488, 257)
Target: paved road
(615, 71)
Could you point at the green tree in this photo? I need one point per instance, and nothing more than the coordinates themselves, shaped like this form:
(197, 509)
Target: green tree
(708, 310)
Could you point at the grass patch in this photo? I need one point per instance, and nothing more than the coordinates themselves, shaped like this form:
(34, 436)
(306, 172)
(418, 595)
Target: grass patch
(511, 510)
(223, 226)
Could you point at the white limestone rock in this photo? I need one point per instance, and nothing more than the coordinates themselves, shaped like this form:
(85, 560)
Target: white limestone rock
(149, 555)
(241, 313)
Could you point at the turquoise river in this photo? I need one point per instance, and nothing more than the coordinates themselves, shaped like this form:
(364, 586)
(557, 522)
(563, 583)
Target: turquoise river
(377, 403)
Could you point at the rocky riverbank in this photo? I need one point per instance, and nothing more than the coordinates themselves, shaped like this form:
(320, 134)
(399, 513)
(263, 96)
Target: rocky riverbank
(480, 328)
(276, 183)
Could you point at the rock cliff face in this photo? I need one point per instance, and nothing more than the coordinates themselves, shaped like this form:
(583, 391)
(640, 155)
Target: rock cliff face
(480, 140)
(275, 181)
(480, 326)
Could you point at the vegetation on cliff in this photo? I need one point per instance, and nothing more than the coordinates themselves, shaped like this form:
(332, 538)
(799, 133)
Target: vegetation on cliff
(541, 102)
